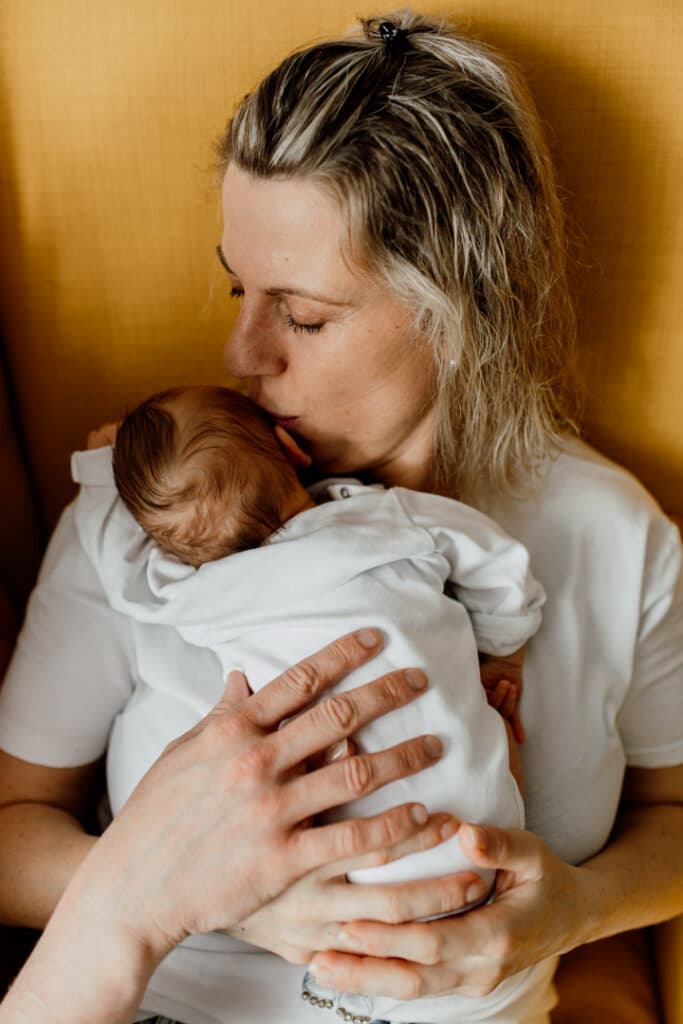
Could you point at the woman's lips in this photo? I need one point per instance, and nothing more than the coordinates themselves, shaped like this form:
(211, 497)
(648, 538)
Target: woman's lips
(283, 420)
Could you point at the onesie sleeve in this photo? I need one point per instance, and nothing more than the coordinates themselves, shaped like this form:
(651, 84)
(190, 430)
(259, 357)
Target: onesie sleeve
(489, 571)
(72, 669)
(650, 720)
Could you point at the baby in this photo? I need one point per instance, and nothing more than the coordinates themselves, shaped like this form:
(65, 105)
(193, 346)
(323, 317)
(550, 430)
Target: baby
(216, 536)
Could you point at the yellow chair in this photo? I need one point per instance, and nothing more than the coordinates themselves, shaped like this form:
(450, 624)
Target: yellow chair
(109, 216)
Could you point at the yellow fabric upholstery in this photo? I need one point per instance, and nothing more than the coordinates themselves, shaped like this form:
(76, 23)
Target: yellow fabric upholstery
(591, 983)
(109, 214)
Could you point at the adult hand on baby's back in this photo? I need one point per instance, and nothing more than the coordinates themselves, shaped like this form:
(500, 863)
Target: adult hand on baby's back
(539, 910)
(213, 831)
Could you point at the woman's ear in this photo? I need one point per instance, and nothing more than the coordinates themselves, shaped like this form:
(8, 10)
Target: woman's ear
(294, 453)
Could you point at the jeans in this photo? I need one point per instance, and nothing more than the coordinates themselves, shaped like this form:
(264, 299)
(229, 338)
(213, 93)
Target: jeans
(167, 1020)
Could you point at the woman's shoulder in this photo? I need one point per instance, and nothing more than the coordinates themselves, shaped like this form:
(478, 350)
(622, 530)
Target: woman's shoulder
(582, 475)
(585, 509)
(580, 486)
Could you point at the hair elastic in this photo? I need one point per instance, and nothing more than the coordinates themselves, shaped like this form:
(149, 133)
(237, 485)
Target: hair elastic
(393, 37)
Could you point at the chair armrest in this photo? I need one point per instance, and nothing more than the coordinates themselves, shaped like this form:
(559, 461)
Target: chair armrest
(668, 942)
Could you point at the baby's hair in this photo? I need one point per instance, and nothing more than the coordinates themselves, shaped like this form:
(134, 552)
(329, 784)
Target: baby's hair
(201, 471)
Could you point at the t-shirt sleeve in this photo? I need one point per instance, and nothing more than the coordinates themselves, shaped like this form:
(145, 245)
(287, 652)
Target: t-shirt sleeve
(651, 718)
(72, 670)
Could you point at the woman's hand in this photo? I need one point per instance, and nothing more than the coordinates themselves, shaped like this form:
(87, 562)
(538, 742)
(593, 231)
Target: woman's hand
(217, 828)
(213, 830)
(306, 917)
(538, 911)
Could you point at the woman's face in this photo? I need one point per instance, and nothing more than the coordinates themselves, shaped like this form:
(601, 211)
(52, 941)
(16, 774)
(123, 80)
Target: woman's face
(326, 351)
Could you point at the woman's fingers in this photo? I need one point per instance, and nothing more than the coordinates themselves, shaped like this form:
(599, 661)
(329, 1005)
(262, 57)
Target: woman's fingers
(304, 682)
(441, 827)
(406, 902)
(506, 849)
(334, 846)
(354, 777)
(236, 689)
(340, 715)
(375, 977)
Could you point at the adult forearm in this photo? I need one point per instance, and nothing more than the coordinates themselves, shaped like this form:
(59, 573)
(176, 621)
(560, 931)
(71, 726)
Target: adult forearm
(637, 879)
(41, 849)
(86, 969)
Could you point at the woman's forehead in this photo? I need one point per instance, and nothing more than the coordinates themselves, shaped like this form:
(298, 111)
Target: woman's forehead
(286, 234)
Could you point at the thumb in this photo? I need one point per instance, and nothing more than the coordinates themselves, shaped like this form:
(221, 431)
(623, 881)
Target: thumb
(236, 689)
(508, 849)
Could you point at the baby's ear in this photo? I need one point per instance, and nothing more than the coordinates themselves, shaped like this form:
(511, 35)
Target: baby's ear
(294, 453)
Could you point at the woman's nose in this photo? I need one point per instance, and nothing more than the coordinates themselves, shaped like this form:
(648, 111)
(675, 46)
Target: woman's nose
(252, 348)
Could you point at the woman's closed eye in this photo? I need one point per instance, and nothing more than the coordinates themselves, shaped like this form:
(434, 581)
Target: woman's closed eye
(296, 326)
(236, 292)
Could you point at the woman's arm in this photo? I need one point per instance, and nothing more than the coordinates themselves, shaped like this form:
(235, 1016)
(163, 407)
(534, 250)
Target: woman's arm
(43, 839)
(543, 907)
(169, 866)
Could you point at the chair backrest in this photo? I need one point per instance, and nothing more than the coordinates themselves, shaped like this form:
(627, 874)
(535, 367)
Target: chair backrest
(109, 210)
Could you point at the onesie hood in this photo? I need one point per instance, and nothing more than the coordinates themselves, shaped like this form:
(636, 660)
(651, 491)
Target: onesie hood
(318, 550)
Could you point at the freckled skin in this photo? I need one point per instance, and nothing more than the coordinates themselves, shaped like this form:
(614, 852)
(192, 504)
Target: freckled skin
(360, 383)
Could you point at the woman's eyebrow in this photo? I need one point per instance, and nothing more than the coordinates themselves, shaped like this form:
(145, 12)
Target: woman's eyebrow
(302, 292)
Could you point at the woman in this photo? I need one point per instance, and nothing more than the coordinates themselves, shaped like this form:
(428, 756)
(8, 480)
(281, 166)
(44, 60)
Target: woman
(393, 233)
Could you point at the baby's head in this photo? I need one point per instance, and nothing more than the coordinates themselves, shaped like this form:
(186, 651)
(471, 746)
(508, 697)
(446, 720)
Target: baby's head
(201, 470)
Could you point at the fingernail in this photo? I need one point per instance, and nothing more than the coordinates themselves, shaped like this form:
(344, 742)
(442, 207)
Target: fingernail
(475, 836)
(415, 679)
(319, 973)
(476, 891)
(449, 829)
(433, 746)
(342, 941)
(337, 751)
(367, 638)
(419, 814)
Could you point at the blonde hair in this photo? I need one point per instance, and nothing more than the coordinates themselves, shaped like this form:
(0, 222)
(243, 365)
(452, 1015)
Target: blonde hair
(430, 142)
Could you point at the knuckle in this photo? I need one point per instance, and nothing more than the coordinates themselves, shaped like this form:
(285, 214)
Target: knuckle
(343, 650)
(414, 987)
(304, 680)
(389, 831)
(351, 839)
(357, 775)
(392, 909)
(489, 982)
(220, 729)
(393, 689)
(340, 711)
(411, 756)
(256, 762)
(431, 945)
(502, 947)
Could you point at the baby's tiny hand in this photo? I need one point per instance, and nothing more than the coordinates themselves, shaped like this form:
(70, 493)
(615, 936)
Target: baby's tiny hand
(503, 684)
(103, 436)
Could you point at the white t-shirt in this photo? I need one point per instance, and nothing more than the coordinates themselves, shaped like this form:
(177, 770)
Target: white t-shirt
(603, 685)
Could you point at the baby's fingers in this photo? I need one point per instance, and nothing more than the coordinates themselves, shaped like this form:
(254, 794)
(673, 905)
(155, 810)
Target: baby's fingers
(498, 694)
(517, 726)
